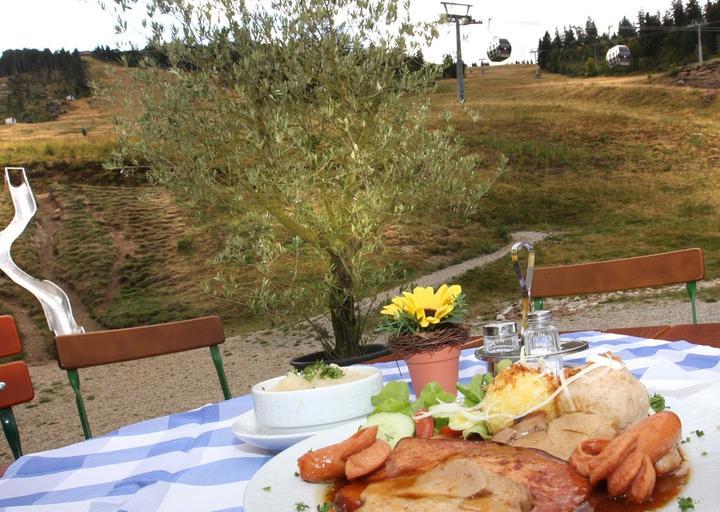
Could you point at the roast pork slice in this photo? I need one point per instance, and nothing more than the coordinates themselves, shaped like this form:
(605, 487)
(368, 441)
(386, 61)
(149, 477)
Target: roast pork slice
(459, 483)
(553, 483)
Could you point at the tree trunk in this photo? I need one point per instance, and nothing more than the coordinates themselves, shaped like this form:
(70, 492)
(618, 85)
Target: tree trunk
(342, 310)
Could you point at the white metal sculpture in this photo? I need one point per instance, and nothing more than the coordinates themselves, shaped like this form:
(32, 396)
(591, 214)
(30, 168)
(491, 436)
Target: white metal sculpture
(54, 300)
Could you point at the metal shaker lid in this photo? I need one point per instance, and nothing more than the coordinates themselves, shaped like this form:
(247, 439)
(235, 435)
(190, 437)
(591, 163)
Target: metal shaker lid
(541, 316)
(500, 328)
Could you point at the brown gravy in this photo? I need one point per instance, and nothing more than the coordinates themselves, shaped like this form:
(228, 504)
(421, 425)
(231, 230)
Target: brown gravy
(667, 488)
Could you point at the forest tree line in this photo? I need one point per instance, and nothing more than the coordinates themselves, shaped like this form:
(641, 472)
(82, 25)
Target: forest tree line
(131, 58)
(38, 81)
(657, 41)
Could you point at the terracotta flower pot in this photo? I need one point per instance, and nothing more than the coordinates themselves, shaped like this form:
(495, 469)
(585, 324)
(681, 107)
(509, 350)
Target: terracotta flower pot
(441, 366)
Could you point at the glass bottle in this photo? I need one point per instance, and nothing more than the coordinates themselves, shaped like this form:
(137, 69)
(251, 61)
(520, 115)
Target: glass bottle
(541, 337)
(501, 338)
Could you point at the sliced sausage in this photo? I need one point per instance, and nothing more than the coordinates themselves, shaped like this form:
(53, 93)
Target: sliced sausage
(368, 460)
(329, 462)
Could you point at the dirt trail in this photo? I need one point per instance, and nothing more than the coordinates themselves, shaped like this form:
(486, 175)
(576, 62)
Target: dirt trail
(48, 223)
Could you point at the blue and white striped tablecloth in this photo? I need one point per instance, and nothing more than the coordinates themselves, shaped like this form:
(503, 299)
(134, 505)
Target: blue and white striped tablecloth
(191, 461)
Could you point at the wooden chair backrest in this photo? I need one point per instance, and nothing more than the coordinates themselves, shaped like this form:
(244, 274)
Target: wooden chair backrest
(9, 338)
(622, 274)
(106, 347)
(18, 387)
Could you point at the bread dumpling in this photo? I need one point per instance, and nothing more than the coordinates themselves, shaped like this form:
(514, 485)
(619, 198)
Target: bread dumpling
(613, 394)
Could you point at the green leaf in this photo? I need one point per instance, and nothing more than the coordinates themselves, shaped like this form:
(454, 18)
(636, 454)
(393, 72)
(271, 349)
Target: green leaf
(394, 397)
(502, 364)
(433, 393)
(474, 391)
(479, 429)
(439, 423)
(657, 402)
(686, 503)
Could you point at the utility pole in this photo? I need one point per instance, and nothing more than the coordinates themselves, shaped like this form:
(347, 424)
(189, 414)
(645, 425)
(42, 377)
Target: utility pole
(537, 63)
(460, 14)
(699, 24)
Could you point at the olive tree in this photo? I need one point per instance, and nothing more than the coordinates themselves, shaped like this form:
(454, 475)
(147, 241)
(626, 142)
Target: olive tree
(306, 117)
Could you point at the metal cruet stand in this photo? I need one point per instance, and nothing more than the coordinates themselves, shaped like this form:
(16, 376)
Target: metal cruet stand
(525, 280)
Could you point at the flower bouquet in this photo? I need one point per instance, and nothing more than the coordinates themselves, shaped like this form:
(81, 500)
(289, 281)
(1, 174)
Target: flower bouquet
(427, 329)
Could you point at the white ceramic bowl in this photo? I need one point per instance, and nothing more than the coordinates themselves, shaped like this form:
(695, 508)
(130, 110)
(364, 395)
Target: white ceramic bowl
(317, 406)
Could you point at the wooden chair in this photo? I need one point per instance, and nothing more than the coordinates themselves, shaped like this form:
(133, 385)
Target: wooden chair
(76, 351)
(675, 267)
(15, 385)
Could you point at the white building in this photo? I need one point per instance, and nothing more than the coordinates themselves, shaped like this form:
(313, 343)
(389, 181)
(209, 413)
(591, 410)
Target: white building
(70, 97)
(10, 120)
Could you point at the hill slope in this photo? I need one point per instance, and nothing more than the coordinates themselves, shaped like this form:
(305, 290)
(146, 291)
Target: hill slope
(613, 166)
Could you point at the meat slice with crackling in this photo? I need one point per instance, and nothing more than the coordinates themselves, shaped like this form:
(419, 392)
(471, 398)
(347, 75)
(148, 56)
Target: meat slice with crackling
(553, 484)
(458, 484)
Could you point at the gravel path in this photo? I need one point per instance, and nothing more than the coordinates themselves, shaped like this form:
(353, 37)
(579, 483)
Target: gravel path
(130, 392)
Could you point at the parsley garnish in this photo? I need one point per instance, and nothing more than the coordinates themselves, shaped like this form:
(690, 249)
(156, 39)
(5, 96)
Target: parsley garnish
(686, 504)
(325, 507)
(300, 506)
(698, 433)
(704, 454)
(297, 474)
(657, 402)
(321, 370)
(267, 488)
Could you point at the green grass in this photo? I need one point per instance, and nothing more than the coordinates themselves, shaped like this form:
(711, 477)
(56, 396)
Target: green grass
(85, 251)
(613, 167)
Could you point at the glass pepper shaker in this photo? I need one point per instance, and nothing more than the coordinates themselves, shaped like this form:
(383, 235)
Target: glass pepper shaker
(541, 337)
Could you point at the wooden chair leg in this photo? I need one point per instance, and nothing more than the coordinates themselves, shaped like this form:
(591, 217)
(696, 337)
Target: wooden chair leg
(74, 379)
(11, 432)
(692, 293)
(217, 360)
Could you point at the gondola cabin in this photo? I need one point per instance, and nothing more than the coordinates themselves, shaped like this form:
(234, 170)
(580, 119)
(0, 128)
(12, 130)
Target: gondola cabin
(499, 50)
(618, 55)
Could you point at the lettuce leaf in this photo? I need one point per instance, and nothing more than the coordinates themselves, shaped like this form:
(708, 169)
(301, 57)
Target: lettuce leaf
(433, 394)
(479, 429)
(393, 397)
(474, 391)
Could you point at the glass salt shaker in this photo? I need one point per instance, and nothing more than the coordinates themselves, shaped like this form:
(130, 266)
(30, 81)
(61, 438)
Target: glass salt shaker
(501, 338)
(541, 337)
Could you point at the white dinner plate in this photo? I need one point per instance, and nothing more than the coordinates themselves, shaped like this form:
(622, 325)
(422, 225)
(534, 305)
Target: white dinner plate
(246, 428)
(276, 488)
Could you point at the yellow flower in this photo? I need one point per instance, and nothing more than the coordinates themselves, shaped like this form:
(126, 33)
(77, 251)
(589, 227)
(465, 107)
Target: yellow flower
(432, 306)
(391, 310)
(429, 307)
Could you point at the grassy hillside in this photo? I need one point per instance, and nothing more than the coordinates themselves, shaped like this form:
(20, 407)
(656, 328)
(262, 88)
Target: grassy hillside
(611, 166)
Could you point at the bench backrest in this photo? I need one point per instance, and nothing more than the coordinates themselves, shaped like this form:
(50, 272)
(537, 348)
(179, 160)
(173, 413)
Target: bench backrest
(621, 274)
(106, 347)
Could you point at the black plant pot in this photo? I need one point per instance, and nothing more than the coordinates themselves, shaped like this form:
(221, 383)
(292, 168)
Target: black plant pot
(369, 352)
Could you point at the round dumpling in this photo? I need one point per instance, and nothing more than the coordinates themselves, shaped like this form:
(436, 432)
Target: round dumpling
(615, 395)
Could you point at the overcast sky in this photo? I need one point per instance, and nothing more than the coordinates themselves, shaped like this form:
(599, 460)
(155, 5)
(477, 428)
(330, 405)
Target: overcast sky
(83, 24)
